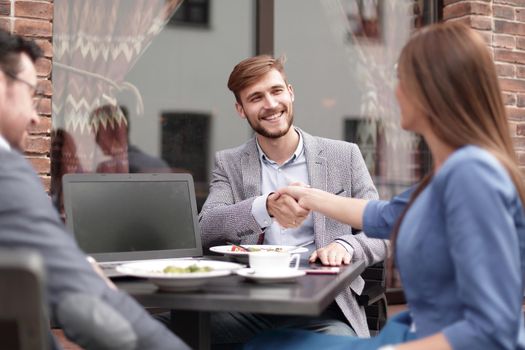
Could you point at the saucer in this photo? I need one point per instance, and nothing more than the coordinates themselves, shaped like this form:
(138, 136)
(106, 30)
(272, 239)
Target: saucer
(288, 275)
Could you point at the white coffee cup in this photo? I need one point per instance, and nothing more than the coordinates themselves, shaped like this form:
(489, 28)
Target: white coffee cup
(273, 262)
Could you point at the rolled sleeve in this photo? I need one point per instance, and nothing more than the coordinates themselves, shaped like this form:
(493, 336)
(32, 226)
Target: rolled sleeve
(380, 216)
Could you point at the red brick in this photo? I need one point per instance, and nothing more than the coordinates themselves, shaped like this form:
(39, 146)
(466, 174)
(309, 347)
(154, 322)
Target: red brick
(505, 70)
(509, 99)
(44, 107)
(40, 164)
(509, 56)
(520, 100)
(501, 11)
(44, 127)
(520, 129)
(5, 8)
(466, 8)
(512, 128)
(34, 9)
(38, 145)
(520, 3)
(32, 27)
(43, 67)
(512, 85)
(504, 41)
(515, 114)
(476, 22)
(45, 86)
(480, 22)
(46, 46)
(487, 36)
(520, 72)
(5, 24)
(520, 15)
(520, 43)
(519, 142)
(507, 27)
(46, 182)
(521, 157)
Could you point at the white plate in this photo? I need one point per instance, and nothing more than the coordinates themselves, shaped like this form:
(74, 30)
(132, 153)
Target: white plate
(227, 249)
(153, 270)
(287, 275)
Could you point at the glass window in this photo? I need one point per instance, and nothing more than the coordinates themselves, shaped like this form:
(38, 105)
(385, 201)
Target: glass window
(340, 59)
(192, 12)
(132, 94)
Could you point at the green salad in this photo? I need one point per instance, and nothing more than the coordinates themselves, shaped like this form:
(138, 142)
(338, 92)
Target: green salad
(188, 269)
(264, 249)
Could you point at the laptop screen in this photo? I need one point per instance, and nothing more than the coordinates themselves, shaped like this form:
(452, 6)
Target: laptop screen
(118, 217)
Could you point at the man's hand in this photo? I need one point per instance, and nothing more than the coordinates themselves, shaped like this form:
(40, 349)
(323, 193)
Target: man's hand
(286, 210)
(99, 272)
(333, 254)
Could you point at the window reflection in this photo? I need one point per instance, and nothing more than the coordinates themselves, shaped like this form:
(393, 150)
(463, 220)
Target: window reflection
(345, 87)
(94, 48)
(341, 59)
(152, 98)
(132, 94)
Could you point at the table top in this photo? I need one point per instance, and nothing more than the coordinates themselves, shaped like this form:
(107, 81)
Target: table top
(309, 295)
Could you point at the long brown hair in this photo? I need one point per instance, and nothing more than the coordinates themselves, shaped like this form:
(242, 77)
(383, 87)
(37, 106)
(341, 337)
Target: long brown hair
(447, 71)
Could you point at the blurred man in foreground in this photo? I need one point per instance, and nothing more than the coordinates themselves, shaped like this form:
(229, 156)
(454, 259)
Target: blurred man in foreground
(82, 303)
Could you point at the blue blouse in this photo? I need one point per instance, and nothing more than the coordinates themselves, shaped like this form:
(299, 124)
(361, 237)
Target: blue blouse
(461, 252)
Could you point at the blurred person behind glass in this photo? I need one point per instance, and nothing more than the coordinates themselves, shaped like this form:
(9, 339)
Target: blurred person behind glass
(459, 235)
(138, 160)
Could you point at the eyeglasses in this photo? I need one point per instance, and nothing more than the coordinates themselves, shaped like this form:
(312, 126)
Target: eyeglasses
(37, 94)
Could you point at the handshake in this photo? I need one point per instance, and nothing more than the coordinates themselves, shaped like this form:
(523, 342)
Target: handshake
(288, 206)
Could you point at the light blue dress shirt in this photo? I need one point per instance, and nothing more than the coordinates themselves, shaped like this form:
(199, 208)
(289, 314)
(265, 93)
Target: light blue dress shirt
(275, 176)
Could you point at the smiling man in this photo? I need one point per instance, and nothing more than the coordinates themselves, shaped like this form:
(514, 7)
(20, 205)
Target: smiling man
(84, 305)
(243, 208)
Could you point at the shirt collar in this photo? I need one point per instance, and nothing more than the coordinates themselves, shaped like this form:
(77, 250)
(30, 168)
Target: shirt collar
(297, 153)
(4, 144)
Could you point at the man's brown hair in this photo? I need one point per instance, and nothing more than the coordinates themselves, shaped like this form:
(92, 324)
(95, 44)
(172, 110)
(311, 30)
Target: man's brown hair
(250, 70)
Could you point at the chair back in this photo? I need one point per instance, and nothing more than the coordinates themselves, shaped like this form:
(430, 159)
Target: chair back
(373, 297)
(22, 311)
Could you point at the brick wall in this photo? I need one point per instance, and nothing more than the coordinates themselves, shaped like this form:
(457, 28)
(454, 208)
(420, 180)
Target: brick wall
(33, 19)
(502, 23)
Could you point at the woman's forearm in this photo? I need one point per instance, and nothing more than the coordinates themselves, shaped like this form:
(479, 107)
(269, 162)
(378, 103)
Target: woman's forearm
(347, 210)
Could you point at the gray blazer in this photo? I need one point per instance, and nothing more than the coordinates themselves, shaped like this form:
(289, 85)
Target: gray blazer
(333, 166)
(90, 313)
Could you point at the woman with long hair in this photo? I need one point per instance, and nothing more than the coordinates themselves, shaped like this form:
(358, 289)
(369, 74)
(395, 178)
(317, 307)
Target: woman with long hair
(458, 237)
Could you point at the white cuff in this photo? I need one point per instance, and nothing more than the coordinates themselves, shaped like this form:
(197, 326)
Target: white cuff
(260, 213)
(346, 245)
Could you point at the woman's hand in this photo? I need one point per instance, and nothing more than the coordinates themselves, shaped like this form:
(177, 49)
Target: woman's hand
(300, 192)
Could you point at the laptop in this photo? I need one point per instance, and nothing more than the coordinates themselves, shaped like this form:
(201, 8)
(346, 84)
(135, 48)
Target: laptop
(119, 218)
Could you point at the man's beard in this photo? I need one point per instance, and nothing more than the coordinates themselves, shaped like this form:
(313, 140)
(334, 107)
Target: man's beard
(258, 128)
